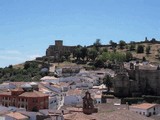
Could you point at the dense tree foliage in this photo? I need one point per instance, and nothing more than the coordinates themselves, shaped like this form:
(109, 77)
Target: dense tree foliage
(97, 44)
(113, 44)
(132, 46)
(122, 44)
(92, 53)
(66, 55)
(107, 81)
(77, 52)
(84, 52)
(140, 49)
(148, 48)
(113, 56)
(30, 72)
(129, 56)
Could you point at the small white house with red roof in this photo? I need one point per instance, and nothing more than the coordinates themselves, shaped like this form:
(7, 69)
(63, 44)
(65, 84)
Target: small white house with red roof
(146, 109)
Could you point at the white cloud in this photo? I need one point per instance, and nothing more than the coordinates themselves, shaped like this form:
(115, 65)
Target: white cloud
(10, 52)
(13, 52)
(32, 57)
(6, 57)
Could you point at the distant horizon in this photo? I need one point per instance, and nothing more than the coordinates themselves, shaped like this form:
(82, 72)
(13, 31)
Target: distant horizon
(28, 27)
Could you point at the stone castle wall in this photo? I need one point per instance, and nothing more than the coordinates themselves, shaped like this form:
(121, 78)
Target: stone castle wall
(143, 81)
(58, 49)
(149, 81)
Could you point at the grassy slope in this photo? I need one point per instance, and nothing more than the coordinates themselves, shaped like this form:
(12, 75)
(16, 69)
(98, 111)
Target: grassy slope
(151, 57)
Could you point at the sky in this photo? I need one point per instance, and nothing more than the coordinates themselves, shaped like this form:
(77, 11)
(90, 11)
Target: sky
(28, 27)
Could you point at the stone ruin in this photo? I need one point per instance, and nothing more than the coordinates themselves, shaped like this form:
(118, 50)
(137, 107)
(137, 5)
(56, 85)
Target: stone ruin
(88, 107)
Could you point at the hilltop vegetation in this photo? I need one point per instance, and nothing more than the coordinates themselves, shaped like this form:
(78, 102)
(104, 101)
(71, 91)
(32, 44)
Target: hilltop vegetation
(29, 71)
(96, 56)
(148, 50)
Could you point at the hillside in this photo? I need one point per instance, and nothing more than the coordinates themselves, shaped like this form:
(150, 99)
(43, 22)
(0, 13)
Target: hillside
(152, 57)
(34, 70)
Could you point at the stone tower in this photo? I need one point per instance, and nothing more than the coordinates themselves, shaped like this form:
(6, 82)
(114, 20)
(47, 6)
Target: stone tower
(58, 43)
(88, 107)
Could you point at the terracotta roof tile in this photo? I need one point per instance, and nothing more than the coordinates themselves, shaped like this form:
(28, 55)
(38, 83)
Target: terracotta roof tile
(5, 93)
(143, 106)
(74, 92)
(33, 94)
(17, 116)
(78, 116)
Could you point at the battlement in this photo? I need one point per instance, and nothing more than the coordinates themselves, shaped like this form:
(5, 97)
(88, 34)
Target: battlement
(59, 43)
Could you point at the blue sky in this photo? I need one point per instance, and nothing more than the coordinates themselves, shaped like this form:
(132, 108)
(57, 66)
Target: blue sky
(28, 27)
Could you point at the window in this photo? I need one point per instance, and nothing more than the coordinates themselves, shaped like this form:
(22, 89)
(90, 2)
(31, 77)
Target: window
(34, 100)
(6, 105)
(22, 106)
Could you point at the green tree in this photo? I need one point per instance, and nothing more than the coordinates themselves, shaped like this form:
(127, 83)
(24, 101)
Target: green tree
(140, 49)
(10, 66)
(77, 52)
(67, 54)
(153, 40)
(84, 52)
(97, 44)
(113, 44)
(99, 63)
(132, 46)
(105, 50)
(122, 43)
(129, 56)
(148, 48)
(112, 56)
(107, 81)
(92, 53)
(26, 65)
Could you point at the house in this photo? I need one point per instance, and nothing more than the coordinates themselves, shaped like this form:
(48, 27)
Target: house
(31, 115)
(24, 97)
(16, 116)
(146, 109)
(6, 86)
(73, 97)
(50, 79)
(49, 114)
(98, 98)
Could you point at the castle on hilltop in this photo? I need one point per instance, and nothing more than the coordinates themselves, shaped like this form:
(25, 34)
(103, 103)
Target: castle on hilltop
(57, 51)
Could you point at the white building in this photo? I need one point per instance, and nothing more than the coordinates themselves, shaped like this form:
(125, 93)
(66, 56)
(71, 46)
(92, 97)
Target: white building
(73, 97)
(50, 79)
(146, 109)
(98, 99)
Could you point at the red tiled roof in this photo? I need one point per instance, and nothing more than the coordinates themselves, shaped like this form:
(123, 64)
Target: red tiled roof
(5, 93)
(17, 116)
(18, 89)
(78, 116)
(33, 94)
(74, 92)
(143, 106)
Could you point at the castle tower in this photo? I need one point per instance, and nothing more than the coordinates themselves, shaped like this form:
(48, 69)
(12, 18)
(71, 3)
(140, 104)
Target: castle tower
(58, 43)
